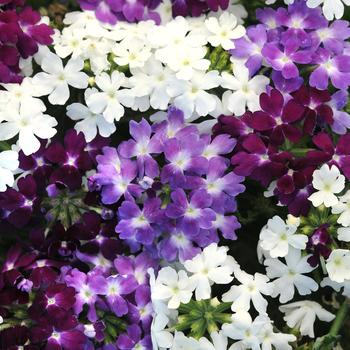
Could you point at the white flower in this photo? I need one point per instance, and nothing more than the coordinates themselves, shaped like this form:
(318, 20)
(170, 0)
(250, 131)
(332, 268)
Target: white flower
(343, 208)
(219, 342)
(28, 122)
(134, 53)
(89, 122)
(190, 96)
(152, 80)
(181, 342)
(247, 333)
(56, 78)
(8, 164)
(277, 236)
(109, 101)
(302, 315)
(327, 181)
(272, 340)
(250, 289)
(187, 61)
(211, 266)
(160, 337)
(290, 275)
(331, 8)
(327, 282)
(245, 91)
(338, 265)
(174, 287)
(70, 42)
(224, 30)
(344, 234)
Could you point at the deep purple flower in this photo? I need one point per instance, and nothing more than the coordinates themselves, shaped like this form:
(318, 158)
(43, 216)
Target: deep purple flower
(72, 159)
(278, 117)
(142, 309)
(19, 205)
(318, 245)
(256, 160)
(318, 113)
(142, 147)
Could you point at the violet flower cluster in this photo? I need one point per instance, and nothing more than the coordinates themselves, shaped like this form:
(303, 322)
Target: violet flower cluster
(298, 40)
(113, 11)
(172, 187)
(21, 33)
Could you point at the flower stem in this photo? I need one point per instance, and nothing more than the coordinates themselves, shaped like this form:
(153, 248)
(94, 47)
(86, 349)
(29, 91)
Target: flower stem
(340, 318)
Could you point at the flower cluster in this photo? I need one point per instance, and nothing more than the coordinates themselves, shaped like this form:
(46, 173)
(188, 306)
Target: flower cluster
(22, 31)
(299, 36)
(172, 185)
(71, 287)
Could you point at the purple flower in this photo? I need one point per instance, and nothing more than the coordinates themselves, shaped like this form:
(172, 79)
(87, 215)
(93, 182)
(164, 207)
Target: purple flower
(194, 214)
(88, 287)
(142, 309)
(285, 59)
(221, 145)
(341, 119)
(250, 47)
(337, 69)
(135, 266)
(318, 245)
(286, 86)
(183, 155)
(117, 286)
(333, 37)
(141, 147)
(132, 340)
(115, 176)
(177, 245)
(136, 224)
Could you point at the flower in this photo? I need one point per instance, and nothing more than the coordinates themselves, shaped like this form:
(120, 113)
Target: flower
(29, 122)
(223, 30)
(343, 208)
(211, 266)
(109, 101)
(302, 315)
(290, 275)
(338, 265)
(277, 236)
(251, 288)
(55, 79)
(173, 287)
(245, 90)
(88, 122)
(330, 8)
(8, 164)
(327, 181)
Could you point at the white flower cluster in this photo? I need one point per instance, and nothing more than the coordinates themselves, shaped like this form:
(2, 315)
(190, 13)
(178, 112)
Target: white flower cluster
(154, 67)
(194, 281)
(331, 8)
